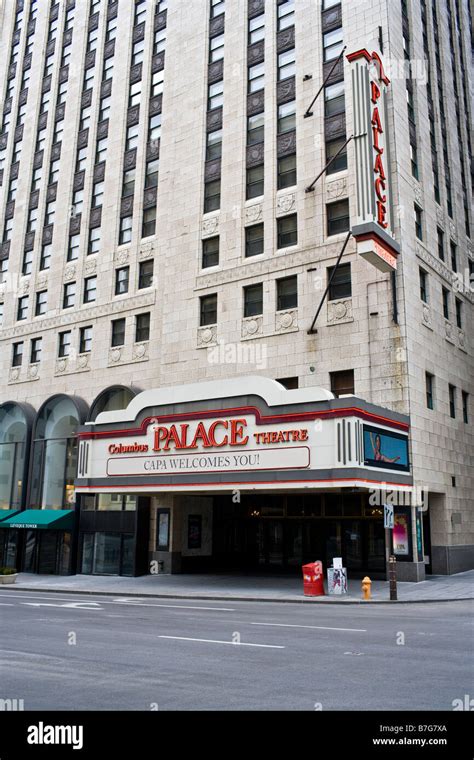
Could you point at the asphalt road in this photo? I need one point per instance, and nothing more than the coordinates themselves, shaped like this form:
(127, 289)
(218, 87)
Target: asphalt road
(71, 652)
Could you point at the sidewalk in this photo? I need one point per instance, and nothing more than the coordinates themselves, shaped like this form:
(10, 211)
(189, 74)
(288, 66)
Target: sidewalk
(438, 588)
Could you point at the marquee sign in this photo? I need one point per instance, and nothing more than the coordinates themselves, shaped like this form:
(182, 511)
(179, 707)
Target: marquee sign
(373, 230)
(213, 444)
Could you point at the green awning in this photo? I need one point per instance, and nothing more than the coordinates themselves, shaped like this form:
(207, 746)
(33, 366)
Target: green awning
(6, 513)
(43, 519)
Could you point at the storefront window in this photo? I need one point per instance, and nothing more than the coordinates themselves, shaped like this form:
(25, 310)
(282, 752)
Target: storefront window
(107, 553)
(111, 400)
(55, 455)
(8, 547)
(13, 440)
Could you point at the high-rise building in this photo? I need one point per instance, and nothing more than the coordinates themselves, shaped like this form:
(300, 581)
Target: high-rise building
(198, 199)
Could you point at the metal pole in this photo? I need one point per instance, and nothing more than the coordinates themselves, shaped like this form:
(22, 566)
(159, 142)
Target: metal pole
(310, 187)
(308, 111)
(311, 330)
(392, 576)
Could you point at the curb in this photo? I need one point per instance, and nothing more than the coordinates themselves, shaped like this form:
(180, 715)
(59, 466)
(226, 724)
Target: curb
(274, 600)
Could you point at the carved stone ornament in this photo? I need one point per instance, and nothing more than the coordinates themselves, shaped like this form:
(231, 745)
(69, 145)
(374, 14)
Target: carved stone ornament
(286, 204)
(253, 213)
(206, 336)
(210, 226)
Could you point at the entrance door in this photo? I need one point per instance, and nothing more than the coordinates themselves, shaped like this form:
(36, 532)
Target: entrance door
(47, 552)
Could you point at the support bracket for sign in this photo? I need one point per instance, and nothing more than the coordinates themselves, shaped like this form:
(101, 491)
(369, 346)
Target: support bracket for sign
(310, 187)
(312, 330)
(308, 111)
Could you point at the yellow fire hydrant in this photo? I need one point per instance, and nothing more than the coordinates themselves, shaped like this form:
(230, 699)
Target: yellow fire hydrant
(366, 584)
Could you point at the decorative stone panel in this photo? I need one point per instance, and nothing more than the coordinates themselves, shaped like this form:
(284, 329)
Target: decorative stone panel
(252, 327)
(254, 213)
(140, 352)
(286, 204)
(27, 61)
(207, 336)
(50, 48)
(139, 32)
(212, 170)
(136, 73)
(126, 206)
(256, 53)
(69, 273)
(210, 226)
(63, 74)
(18, 134)
(215, 71)
(95, 218)
(60, 111)
(149, 197)
(156, 105)
(331, 19)
(217, 25)
(337, 73)
(29, 241)
(340, 311)
(286, 321)
(86, 98)
(133, 116)
(426, 316)
(336, 189)
(67, 39)
(255, 154)
(153, 149)
(256, 7)
(109, 49)
(158, 62)
(130, 159)
(335, 126)
(75, 225)
(112, 10)
(286, 144)
(56, 151)
(449, 332)
(10, 210)
(51, 192)
(286, 39)
(286, 90)
(102, 129)
(45, 85)
(47, 237)
(34, 199)
(83, 138)
(99, 172)
(214, 120)
(78, 182)
(106, 88)
(160, 20)
(93, 22)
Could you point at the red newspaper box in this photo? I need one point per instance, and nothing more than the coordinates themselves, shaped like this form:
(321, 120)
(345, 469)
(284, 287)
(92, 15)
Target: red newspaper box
(313, 582)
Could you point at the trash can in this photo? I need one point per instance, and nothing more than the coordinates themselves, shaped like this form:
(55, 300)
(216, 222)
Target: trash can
(313, 581)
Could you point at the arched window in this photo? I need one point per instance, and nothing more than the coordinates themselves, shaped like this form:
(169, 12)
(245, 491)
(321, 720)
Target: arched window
(55, 453)
(14, 439)
(111, 400)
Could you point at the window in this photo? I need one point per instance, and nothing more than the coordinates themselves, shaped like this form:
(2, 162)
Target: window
(88, 78)
(217, 7)
(254, 240)
(255, 128)
(287, 117)
(78, 202)
(452, 401)
(104, 111)
(338, 217)
(92, 40)
(73, 247)
(111, 32)
(142, 327)
(93, 245)
(66, 56)
(135, 94)
(41, 303)
(332, 44)
(446, 296)
(32, 220)
(128, 184)
(27, 265)
(287, 231)
(90, 290)
(125, 234)
(159, 43)
(101, 150)
(216, 48)
(138, 52)
(287, 171)
(50, 211)
(157, 83)
(334, 99)
(255, 181)
(140, 12)
(459, 314)
(341, 282)
(286, 14)
(215, 97)
(429, 384)
(97, 194)
(45, 258)
(132, 137)
(151, 174)
(214, 145)
(286, 65)
(210, 252)
(149, 222)
(122, 276)
(454, 262)
(108, 69)
(342, 382)
(330, 3)
(332, 149)
(12, 188)
(69, 295)
(256, 77)
(85, 340)
(414, 161)
(118, 333)
(17, 354)
(208, 310)
(22, 309)
(253, 300)
(423, 285)
(290, 383)
(256, 29)
(64, 345)
(465, 407)
(212, 195)
(418, 222)
(41, 140)
(85, 119)
(440, 244)
(35, 350)
(154, 127)
(58, 132)
(145, 274)
(287, 293)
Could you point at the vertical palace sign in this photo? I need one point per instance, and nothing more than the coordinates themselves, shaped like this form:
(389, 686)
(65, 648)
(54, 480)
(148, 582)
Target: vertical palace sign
(373, 230)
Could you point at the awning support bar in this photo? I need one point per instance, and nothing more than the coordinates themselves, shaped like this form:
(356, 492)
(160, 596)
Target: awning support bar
(311, 330)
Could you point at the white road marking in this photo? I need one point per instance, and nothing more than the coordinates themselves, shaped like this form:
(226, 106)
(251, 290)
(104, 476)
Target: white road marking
(316, 627)
(67, 605)
(5, 604)
(119, 601)
(216, 641)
